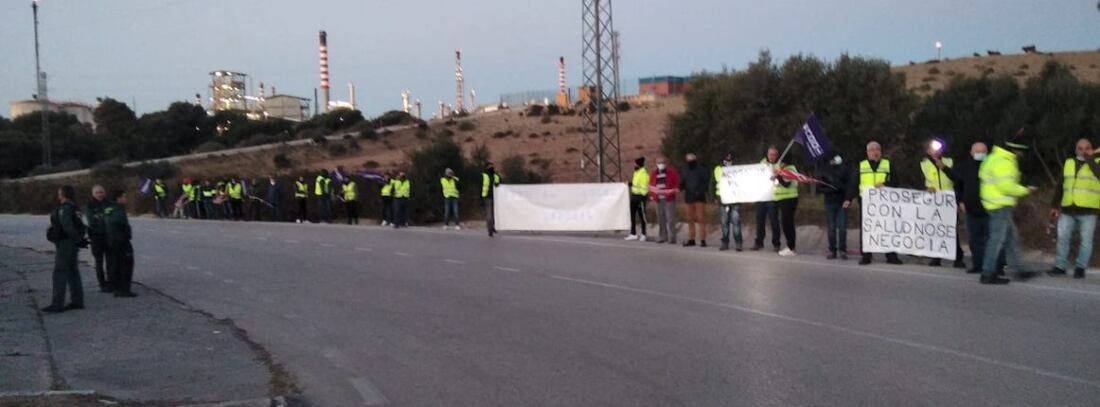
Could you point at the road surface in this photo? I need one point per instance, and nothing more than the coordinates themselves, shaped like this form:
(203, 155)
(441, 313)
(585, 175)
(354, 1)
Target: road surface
(419, 317)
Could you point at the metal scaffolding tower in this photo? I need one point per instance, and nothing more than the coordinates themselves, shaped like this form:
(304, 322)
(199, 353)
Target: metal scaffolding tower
(602, 154)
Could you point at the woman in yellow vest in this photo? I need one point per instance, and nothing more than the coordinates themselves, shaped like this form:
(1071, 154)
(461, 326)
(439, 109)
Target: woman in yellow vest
(449, 182)
(786, 202)
(938, 176)
(387, 199)
(301, 195)
(351, 200)
(639, 193)
(1076, 205)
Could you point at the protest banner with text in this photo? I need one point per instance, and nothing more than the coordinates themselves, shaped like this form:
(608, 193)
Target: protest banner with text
(909, 221)
(746, 183)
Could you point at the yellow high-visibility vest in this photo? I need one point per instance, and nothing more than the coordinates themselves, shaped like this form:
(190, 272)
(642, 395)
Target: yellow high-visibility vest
(233, 189)
(161, 191)
(450, 187)
(1080, 188)
(639, 183)
(1000, 180)
(321, 185)
(485, 184)
(402, 189)
(935, 177)
(783, 193)
(387, 188)
(350, 194)
(301, 190)
(869, 178)
(189, 191)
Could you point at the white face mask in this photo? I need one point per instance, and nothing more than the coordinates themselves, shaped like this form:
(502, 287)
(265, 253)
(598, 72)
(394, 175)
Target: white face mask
(837, 160)
(660, 166)
(979, 156)
(1080, 158)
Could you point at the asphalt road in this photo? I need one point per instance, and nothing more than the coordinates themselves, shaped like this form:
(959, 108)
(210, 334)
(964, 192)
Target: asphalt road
(372, 316)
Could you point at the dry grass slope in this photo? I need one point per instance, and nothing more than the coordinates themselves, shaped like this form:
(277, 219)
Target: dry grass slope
(926, 78)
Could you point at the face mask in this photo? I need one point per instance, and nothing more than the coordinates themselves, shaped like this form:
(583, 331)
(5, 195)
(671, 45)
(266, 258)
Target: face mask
(979, 156)
(1080, 158)
(660, 166)
(837, 160)
(727, 163)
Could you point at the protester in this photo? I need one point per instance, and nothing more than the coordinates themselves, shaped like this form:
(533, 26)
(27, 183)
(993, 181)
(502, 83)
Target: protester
(489, 182)
(639, 190)
(694, 184)
(301, 195)
(786, 202)
(387, 199)
(120, 251)
(402, 191)
(874, 172)
(664, 182)
(275, 198)
(322, 190)
(1075, 206)
(208, 194)
(766, 211)
(1000, 189)
(938, 175)
(97, 235)
(221, 201)
(967, 191)
(729, 215)
(190, 191)
(66, 232)
(235, 192)
(255, 205)
(834, 187)
(449, 182)
(160, 194)
(351, 201)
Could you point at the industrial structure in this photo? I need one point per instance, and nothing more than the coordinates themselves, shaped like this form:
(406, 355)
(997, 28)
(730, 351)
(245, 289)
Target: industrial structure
(563, 91)
(227, 91)
(601, 150)
(662, 86)
(323, 53)
(460, 105)
(286, 107)
(82, 111)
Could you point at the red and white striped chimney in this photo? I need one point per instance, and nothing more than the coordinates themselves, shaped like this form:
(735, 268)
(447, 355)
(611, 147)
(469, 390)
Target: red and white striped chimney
(323, 49)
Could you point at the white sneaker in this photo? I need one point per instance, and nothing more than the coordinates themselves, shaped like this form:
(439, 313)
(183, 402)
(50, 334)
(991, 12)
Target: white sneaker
(445, 227)
(458, 227)
(787, 252)
(384, 223)
(631, 237)
(641, 238)
(299, 221)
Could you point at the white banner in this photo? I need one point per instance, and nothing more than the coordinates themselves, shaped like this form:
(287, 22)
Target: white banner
(562, 207)
(746, 183)
(909, 221)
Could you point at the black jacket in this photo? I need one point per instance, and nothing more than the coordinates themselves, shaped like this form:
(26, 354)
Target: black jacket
(837, 177)
(695, 182)
(968, 186)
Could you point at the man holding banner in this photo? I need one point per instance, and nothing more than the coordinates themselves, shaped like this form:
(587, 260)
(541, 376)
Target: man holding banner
(874, 172)
(938, 176)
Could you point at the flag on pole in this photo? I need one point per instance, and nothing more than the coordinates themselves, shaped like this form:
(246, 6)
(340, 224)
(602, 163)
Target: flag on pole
(372, 176)
(812, 136)
(339, 175)
(146, 186)
(796, 176)
(244, 186)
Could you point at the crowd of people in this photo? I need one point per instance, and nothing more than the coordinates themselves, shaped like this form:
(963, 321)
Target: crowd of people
(987, 185)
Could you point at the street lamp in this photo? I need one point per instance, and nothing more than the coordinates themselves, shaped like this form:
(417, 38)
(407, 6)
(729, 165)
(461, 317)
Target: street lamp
(42, 98)
(939, 51)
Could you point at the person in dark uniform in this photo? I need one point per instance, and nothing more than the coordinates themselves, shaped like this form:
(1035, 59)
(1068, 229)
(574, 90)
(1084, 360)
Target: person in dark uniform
(66, 232)
(93, 217)
(119, 249)
(275, 198)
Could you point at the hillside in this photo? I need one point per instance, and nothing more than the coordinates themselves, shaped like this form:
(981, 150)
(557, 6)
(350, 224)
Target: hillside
(928, 77)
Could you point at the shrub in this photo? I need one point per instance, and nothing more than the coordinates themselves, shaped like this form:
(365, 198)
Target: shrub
(500, 134)
(469, 139)
(533, 135)
(110, 169)
(934, 71)
(261, 139)
(514, 170)
(571, 150)
(421, 134)
(369, 135)
(623, 106)
(467, 126)
(371, 164)
(209, 146)
(336, 150)
(545, 120)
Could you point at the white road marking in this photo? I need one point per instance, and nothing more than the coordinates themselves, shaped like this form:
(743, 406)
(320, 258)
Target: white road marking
(327, 245)
(292, 241)
(363, 249)
(229, 281)
(838, 328)
(208, 273)
(506, 269)
(452, 261)
(402, 254)
(261, 238)
(192, 268)
(368, 391)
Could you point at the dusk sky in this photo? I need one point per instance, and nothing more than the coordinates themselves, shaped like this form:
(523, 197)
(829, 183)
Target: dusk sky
(160, 51)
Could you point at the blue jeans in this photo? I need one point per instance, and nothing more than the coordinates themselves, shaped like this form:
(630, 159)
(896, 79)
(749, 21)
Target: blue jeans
(1085, 225)
(977, 234)
(836, 225)
(1002, 235)
(730, 215)
(450, 211)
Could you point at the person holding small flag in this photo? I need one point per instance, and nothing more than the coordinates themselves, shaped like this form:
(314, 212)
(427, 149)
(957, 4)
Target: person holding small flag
(786, 203)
